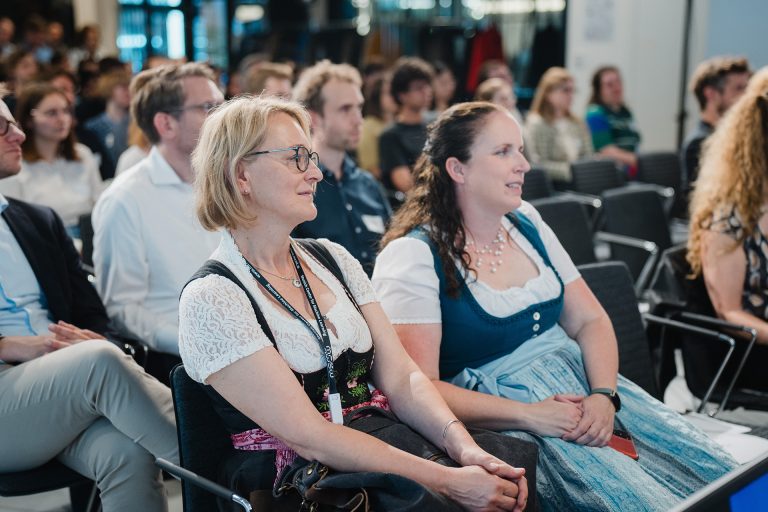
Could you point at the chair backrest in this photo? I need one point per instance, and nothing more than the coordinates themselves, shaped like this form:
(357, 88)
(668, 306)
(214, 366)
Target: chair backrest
(203, 441)
(595, 176)
(612, 285)
(568, 219)
(86, 236)
(636, 211)
(660, 168)
(537, 184)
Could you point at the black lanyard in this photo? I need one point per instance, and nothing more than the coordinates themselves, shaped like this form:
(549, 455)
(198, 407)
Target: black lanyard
(334, 399)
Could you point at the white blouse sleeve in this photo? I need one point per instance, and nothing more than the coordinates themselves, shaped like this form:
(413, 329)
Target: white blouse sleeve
(217, 326)
(355, 277)
(406, 282)
(557, 255)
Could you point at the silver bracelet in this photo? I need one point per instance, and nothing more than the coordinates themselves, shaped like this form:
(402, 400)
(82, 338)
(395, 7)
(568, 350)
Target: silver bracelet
(447, 426)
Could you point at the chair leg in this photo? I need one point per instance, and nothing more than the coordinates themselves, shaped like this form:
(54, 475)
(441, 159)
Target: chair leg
(84, 497)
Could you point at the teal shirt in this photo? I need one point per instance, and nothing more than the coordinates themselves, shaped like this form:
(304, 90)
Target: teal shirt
(615, 127)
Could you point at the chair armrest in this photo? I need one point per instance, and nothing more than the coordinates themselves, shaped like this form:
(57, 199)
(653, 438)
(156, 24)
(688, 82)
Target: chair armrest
(586, 199)
(717, 322)
(645, 245)
(716, 335)
(204, 483)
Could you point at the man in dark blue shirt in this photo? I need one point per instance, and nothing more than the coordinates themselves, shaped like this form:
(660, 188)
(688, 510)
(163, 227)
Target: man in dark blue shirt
(352, 208)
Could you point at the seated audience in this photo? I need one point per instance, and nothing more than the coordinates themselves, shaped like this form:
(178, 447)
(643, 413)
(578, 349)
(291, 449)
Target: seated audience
(65, 392)
(554, 136)
(492, 309)
(717, 84)
(443, 89)
(269, 79)
(87, 49)
(21, 69)
(7, 30)
(499, 92)
(614, 134)
(729, 225)
(401, 143)
(56, 170)
(137, 150)
(352, 209)
(110, 128)
(147, 241)
(378, 111)
(254, 187)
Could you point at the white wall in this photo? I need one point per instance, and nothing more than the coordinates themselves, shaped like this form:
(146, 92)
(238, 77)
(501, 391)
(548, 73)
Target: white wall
(102, 13)
(644, 39)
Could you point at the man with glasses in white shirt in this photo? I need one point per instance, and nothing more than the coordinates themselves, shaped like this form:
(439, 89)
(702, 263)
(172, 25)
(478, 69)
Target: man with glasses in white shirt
(147, 239)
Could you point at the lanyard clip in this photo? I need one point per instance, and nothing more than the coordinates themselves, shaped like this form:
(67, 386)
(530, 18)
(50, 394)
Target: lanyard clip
(337, 416)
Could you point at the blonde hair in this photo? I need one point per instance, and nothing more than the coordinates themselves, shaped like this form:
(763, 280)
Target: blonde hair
(232, 131)
(554, 77)
(733, 169)
(256, 78)
(308, 89)
(488, 89)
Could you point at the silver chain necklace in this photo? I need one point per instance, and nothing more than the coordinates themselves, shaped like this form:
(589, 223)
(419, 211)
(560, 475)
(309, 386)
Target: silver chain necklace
(294, 280)
(493, 250)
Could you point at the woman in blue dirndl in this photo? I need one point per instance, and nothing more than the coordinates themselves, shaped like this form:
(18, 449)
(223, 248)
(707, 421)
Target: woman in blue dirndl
(494, 311)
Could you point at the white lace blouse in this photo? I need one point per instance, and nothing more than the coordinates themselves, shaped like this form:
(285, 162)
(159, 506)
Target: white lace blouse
(409, 290)
(217, 325)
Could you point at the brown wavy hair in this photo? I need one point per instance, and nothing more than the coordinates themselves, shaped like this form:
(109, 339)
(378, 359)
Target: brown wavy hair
(553, 78)
(31, 96)
(734, 168)
(432, 200)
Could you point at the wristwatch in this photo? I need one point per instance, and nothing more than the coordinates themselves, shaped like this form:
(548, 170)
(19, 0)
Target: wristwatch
(610, 393)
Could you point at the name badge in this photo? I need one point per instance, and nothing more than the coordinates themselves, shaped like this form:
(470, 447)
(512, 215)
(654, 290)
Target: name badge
(374, 223)
(337, 415)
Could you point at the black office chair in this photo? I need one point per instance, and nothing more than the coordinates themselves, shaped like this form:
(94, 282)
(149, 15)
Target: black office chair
(637, 212)
(537, 184)
(205, 449)
(569, 221)
(50, 477)
(663, 169)
(611, 283)
(86, 236)
(730, 374)
(594, 177)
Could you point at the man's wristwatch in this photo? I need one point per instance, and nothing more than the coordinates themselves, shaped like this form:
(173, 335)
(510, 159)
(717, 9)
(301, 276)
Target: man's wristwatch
(610, 393)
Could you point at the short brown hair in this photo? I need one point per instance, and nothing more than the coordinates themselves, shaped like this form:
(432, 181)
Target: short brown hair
(229, 134)
(160, 90)
(405, 71)
(31, 96)
(310, 85)
(256, 78)
(713, 73)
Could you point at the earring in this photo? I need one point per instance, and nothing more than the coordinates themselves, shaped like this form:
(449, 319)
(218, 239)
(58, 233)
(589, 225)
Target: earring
(246, 192)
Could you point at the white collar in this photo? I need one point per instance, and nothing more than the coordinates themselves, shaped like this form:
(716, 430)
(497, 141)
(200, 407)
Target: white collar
(160, 171)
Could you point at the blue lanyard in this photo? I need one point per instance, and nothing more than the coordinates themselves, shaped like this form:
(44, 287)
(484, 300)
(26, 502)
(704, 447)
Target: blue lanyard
(334, 399)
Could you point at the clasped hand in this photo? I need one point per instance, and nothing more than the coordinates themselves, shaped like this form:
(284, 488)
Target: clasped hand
(19, 349)
(486, 483)
(582, 420)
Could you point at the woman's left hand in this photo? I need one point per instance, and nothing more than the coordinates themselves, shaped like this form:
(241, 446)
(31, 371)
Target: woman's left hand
(476, 456)
(596, 425)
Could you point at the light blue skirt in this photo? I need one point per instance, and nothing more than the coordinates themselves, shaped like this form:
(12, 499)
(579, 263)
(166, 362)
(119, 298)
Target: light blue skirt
(676, 459)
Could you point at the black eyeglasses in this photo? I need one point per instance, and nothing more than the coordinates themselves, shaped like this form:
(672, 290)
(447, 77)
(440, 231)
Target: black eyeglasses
(207, 107)
(5, 126)
(302, 156)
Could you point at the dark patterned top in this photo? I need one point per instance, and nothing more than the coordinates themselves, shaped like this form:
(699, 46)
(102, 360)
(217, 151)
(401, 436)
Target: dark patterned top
(754, 296)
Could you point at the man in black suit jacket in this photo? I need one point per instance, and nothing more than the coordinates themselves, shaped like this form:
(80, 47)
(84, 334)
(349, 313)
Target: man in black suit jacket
(66, 392)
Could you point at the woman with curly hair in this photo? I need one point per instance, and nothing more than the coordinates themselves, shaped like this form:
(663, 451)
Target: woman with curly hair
(728, 243)
(488, 303)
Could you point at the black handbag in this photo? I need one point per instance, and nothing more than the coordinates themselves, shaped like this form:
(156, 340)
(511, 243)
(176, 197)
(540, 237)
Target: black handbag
(310, 485)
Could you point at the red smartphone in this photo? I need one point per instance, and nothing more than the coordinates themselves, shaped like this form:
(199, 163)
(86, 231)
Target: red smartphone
(622, 442)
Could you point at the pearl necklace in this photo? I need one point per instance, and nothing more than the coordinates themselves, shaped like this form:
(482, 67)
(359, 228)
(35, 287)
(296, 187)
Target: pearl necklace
(494, 250)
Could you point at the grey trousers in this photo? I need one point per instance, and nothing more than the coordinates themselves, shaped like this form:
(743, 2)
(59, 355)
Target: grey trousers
(94, 409)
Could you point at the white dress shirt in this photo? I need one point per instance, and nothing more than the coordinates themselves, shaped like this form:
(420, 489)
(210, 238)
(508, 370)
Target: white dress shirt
(70, 187)
(147, 244)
